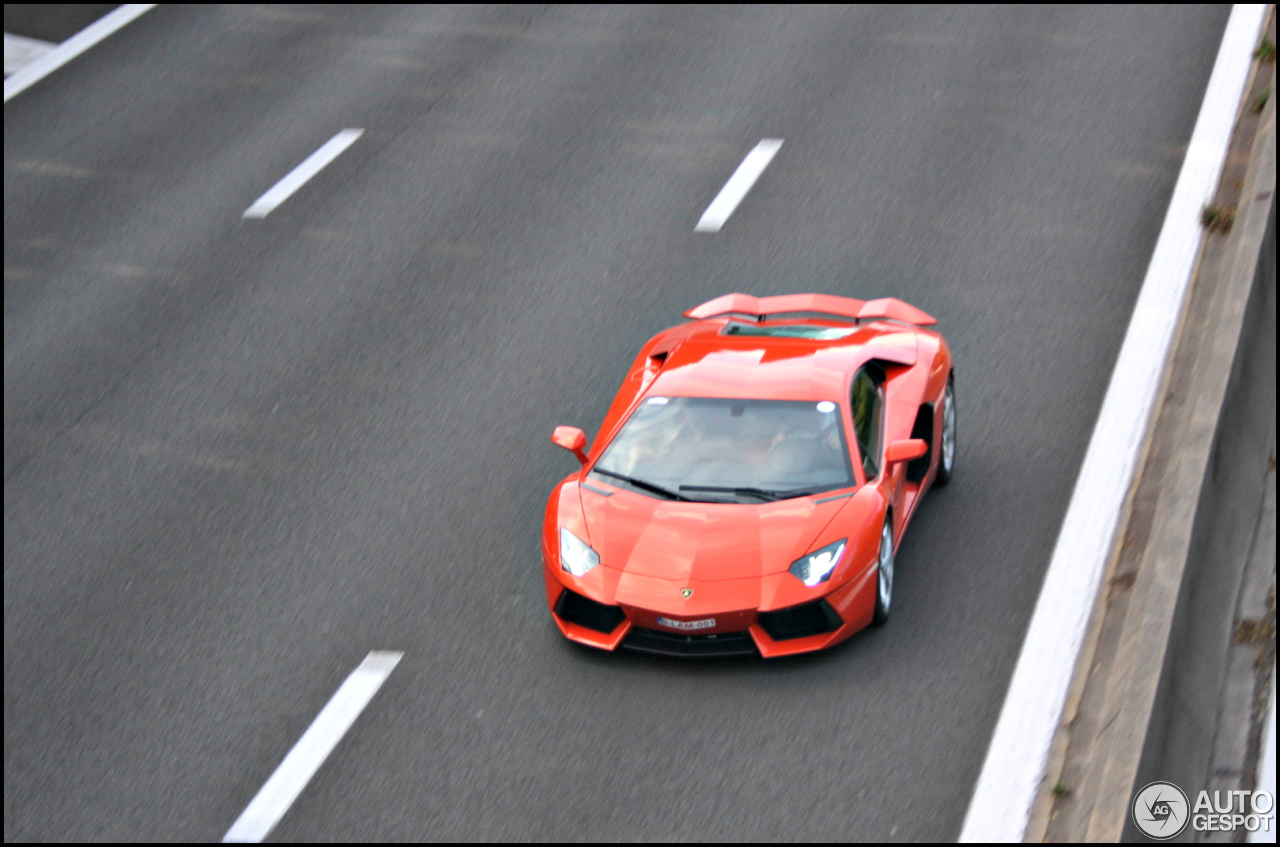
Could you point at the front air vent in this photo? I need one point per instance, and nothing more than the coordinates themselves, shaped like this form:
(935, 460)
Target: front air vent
(584, 611)
(800, 621)
(691, 646)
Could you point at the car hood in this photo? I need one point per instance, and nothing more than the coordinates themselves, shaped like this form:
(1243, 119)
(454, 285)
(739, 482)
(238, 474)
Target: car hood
(675, 540)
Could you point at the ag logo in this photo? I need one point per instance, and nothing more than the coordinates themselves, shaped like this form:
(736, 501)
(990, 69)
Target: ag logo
(1160, 810)
(686, 593)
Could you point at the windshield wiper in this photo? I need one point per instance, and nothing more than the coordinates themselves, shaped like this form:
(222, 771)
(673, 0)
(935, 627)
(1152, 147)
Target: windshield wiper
(640, 483)
(762, 493)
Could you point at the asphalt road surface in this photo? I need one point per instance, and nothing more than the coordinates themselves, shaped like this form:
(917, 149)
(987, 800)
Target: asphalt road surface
(240, 454)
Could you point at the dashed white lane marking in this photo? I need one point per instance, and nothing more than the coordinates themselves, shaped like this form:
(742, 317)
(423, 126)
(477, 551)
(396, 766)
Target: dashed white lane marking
(1016, 759)
(738, 185)
(278, 793)
(20, 51)
(298, 177)
(72, 47)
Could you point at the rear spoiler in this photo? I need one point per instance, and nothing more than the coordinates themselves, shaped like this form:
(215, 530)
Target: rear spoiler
(821, 304)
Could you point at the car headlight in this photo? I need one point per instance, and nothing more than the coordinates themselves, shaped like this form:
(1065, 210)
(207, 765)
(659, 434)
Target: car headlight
(818, 565)
(575, 556)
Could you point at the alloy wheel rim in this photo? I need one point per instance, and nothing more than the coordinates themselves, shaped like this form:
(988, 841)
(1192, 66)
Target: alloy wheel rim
(886, 568)
(949, 431)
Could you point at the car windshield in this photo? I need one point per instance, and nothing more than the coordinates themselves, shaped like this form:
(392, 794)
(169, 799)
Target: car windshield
(735, 451)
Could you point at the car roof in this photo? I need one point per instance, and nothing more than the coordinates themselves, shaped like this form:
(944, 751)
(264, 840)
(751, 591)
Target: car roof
(711, 362)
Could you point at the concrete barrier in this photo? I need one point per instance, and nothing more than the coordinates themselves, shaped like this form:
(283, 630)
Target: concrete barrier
(1148, 692)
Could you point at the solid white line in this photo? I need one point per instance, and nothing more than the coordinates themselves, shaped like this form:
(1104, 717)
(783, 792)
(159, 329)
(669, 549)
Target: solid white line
(738, 185)
(298, 177)
(315, 745)
(1019, 750)
(72, 47)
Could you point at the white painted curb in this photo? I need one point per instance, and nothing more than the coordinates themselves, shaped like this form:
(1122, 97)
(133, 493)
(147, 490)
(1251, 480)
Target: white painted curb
(1266, 777)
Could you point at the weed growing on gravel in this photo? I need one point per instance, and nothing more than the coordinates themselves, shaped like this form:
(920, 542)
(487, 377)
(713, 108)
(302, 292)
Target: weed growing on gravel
(1217, 218)
(1266, 51)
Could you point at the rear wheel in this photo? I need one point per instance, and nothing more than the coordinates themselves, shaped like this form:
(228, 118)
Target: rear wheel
(947, 459)
(884, 575)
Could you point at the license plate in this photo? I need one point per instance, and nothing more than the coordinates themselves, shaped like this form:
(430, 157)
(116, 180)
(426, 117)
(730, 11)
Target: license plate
(705, 623)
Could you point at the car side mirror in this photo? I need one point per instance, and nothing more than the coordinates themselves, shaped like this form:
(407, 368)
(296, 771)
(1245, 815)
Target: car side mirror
(906, 450)
(574, 440)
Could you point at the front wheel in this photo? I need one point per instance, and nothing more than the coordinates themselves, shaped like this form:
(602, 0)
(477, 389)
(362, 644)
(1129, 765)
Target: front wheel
(947, 461)
(884, 575)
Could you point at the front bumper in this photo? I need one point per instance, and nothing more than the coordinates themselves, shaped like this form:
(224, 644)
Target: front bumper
(801, 628)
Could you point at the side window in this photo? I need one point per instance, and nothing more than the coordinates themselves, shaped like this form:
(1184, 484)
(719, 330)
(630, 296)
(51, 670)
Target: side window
(867, 402)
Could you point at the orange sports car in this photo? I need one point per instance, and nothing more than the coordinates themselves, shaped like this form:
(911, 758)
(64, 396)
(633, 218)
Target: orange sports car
(752, 479)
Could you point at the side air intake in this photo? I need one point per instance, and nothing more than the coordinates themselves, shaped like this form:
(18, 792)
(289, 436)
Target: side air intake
(584, 611)
(800, 621)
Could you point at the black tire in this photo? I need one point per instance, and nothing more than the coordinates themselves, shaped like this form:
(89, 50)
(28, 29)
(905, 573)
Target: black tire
(947, 446)
(884, 576)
